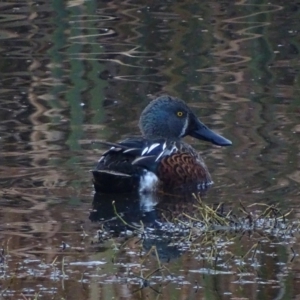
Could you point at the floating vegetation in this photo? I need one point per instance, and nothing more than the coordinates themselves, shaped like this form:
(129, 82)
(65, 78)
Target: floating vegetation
(222, 239)
(177, 242)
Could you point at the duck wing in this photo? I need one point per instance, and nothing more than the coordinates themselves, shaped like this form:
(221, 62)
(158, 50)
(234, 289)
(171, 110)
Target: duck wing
(115, 171)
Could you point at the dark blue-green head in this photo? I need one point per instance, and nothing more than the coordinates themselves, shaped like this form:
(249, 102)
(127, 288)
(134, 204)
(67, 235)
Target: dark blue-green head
(170, 118)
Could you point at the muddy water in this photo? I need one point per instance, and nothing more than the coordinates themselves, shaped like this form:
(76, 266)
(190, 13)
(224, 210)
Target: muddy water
(73, 72)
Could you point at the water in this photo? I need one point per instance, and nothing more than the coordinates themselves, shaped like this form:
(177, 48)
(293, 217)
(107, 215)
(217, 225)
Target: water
(73, 72)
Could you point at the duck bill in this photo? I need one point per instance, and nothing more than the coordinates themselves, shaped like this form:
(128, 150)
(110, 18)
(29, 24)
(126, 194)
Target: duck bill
(201, 132)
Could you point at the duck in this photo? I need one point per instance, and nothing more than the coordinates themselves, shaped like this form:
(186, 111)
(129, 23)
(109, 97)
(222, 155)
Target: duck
(158, 160)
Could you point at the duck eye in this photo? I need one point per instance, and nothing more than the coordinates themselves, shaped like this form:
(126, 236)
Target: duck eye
(179, 114)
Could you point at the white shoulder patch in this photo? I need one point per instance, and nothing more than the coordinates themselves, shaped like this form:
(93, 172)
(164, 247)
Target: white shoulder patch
(144, 151)
(153, 146)
(167, 151)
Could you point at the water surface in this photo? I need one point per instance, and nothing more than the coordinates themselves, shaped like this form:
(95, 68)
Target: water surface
(73, 72)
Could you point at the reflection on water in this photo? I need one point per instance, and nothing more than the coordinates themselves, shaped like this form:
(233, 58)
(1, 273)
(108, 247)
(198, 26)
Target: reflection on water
(79, 71)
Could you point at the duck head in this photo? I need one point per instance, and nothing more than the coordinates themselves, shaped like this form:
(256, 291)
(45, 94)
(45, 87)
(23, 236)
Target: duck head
(171, 118)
